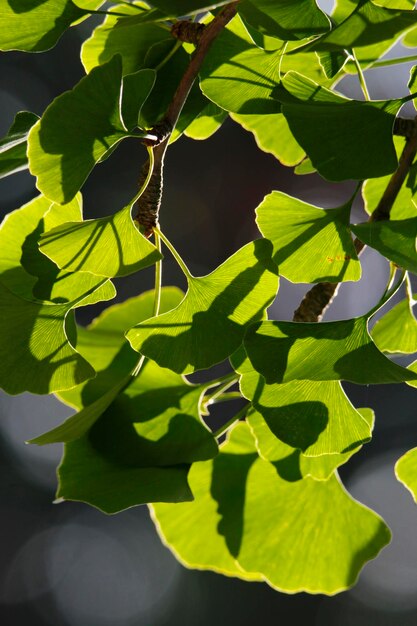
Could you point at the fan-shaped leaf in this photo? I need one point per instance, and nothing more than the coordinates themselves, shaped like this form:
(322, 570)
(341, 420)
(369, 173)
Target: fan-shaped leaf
(240, 498)
(210, 322)
(76, 131)
(311, 245)
(396, 331)
(406, 471)
(344, 350)
(107, 246)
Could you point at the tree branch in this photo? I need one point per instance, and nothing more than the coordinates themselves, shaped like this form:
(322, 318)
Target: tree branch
(318, 299)
(149, 203)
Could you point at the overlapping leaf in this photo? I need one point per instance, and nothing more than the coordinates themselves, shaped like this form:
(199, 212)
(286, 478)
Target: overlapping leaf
(315, 417)
(394, 239)
(311, 245)
(240, 498)
(107, 246)
(13, 146)
(104, 346)
(291, 462)
(35, 352)
(210, 322)
(238, 76)
(322, 121)
(287, 19)
(117, 35)
(76, 131)
(35, 26)
(396, 331)
(344, 350)
(207, 122)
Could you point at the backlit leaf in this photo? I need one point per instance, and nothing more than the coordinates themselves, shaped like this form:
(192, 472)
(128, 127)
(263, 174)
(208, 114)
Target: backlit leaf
(76, 131)
(240, 498)
(107, 246)
(311, 245)
(344, 350)
(210, 322)
(396, 331)
(323, 121)
(406, 471)
(13, 146)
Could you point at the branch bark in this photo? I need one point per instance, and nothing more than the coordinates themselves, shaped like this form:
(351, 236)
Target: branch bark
(319, 298)
(149, 203)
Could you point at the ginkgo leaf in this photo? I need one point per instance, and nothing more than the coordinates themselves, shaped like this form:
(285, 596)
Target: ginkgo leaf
(343, 350)
(321, 121)
(87, 476)
(368, 24)
(35, 352)
(210, 322)
(76, 131)
(13, 146)
(107, 246)
(403, 206)
(35, 26)
(123, 36)
(287, 19)
(406, 471)
(27, 272)
(136, 90)
(291, 462)
(174, 8)
(394, 239)
(396, 331)
(103, 344)
(311, 245)
(314, 416)
(240, 498)
(238, 76)
(207, 122)
(272, 135)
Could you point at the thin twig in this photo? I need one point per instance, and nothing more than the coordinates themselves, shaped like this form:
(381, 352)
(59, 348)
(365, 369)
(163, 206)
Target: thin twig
(319, 298)
(147, 215)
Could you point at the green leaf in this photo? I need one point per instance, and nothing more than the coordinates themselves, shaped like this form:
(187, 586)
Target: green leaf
(344, 350)
(24, 270)
(238, 76)
(35, 352)
(403, 206)
(323, 121)
(76, 131)
(210, 322)
(86, 475)
(240, 498)
(36, 26)
(103, 344)
(396, 240)
(122, 36)
(311, 245)
(396, 331)
(175, 8)
(291, 462)
(207, 122)
(287, 19)
(315, 417)
(272, 135)
(406, 471)
(13, 146)
(368, 24)
(107, 246)
(136, 90)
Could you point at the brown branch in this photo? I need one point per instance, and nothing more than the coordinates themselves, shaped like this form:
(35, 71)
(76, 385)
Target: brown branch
(318, 298)
(148, 204)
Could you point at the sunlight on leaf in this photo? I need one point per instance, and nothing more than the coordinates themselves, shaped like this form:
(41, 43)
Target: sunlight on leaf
(239, 498)
(210, 322)
(396, 331)
(76, 131)
(406, 471)
(311, 245)
(13, 146)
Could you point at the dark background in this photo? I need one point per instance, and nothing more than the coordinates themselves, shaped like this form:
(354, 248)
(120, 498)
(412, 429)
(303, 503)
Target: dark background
(69, 564)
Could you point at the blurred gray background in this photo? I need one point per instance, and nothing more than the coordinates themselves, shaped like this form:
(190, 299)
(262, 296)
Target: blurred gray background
(68, 564)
